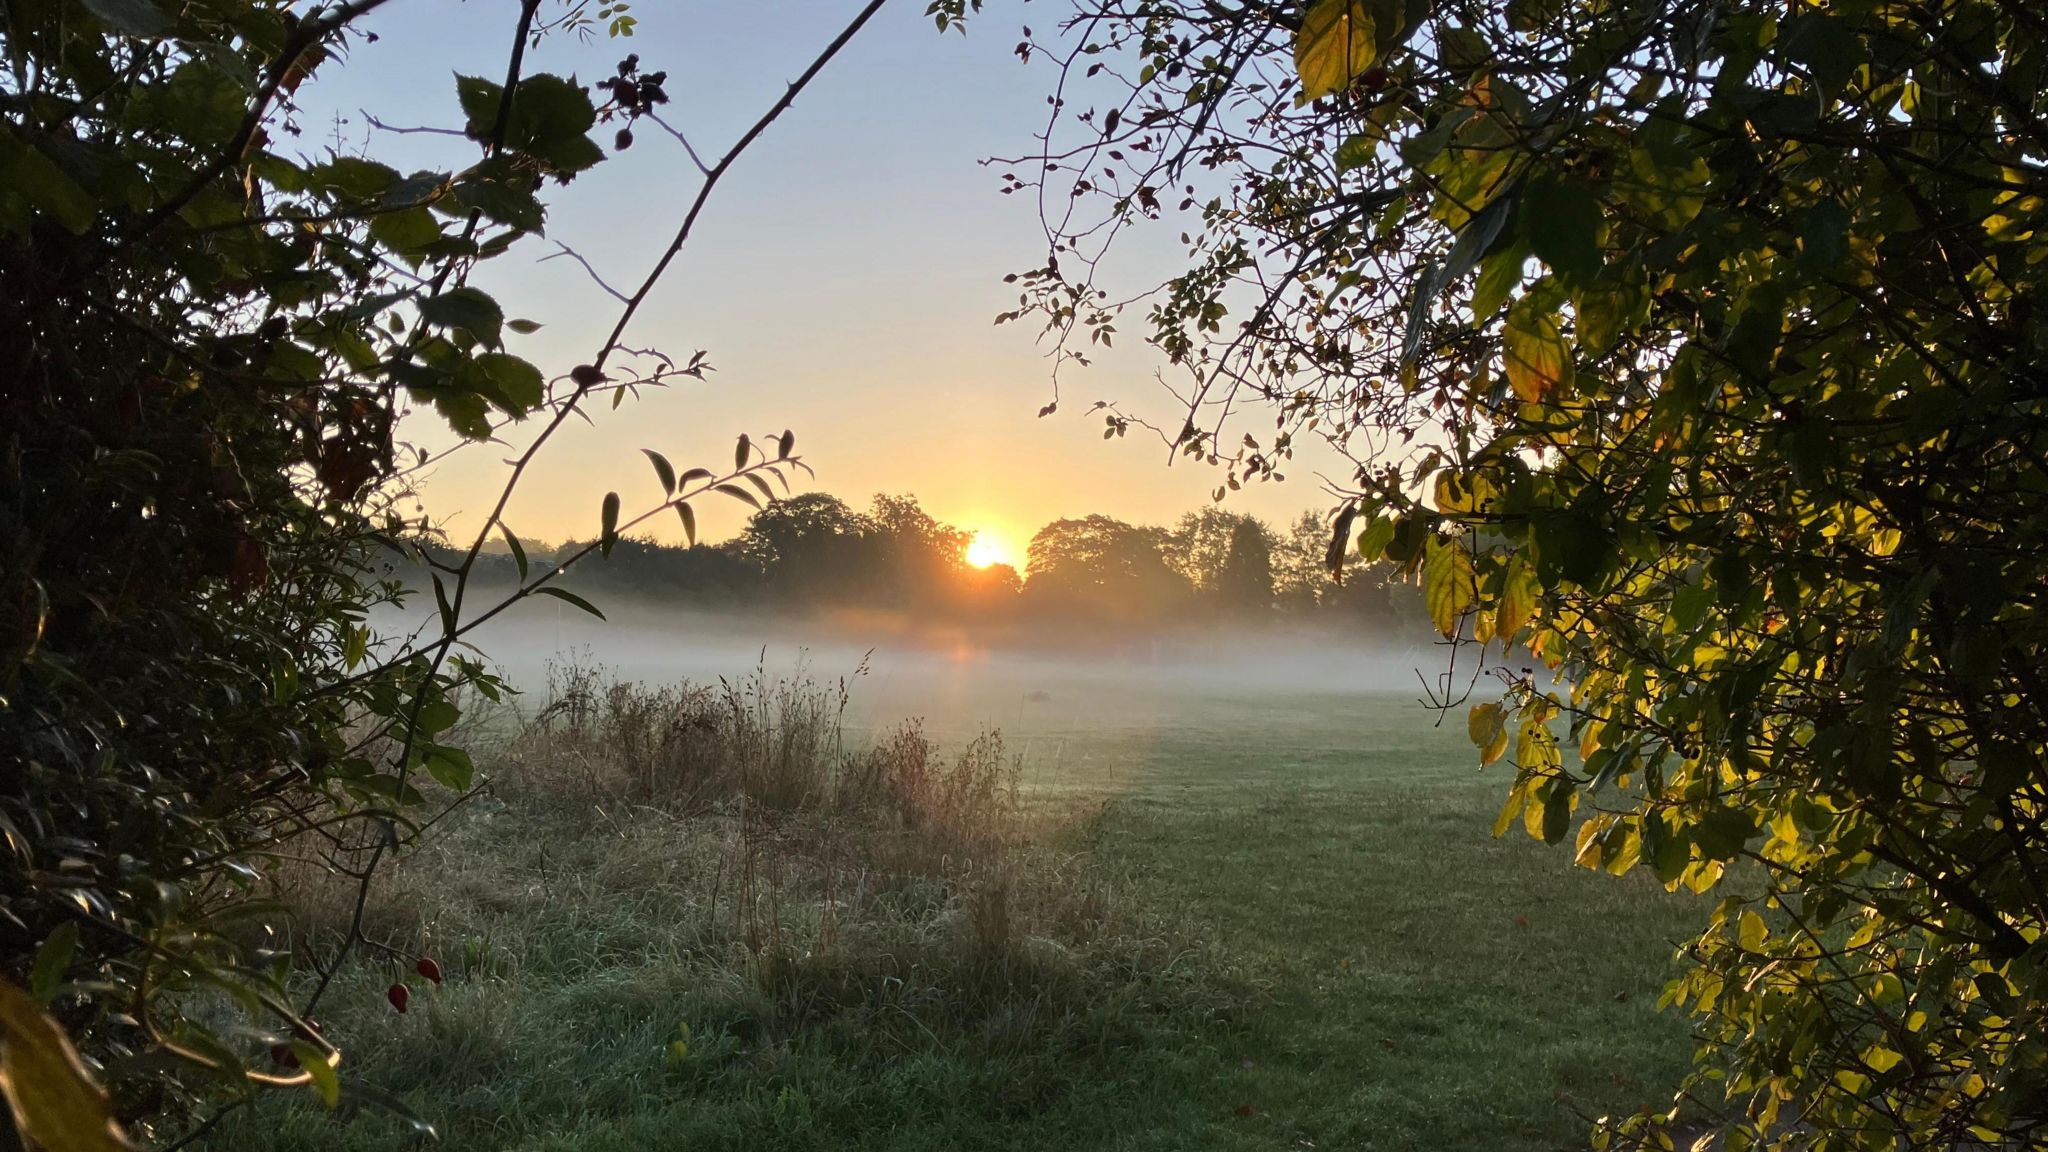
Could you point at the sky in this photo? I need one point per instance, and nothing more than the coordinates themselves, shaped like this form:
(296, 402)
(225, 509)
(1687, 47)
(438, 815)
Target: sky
(843, 280)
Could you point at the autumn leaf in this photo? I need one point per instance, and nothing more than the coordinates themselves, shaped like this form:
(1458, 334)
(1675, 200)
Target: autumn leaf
(1334, 45)
(54, 1099)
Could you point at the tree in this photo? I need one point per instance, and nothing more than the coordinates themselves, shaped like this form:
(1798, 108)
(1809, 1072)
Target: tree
(210, 335)
(1695, 349)
(1100, 566)
(1245, 585)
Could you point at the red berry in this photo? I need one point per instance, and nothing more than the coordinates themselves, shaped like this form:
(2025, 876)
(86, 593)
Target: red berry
(398, 994)
(427, 968)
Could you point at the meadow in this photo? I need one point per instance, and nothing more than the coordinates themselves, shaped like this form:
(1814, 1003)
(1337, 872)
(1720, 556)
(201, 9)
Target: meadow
(1149, 912)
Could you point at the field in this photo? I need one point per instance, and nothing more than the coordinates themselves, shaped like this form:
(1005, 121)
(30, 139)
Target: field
(1228, 919)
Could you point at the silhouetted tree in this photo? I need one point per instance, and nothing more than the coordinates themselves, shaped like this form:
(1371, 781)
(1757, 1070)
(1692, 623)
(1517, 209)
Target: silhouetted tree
(1245, 585)
(1101, 566)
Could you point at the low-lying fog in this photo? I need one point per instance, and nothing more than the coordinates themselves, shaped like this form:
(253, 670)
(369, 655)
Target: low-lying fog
(956, 683)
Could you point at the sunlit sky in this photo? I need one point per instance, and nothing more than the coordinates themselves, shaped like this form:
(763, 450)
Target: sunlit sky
(844, 279)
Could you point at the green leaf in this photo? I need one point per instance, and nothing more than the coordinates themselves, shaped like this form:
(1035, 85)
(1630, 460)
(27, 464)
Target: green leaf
(1824, 238)
(1334, 46)
(449, 766)
(1562, 222)
(663, 471)
(1356, 152)
(610, 516)
(320, 1073)
(1499, 274)
(53, 960)
(408, 232)
(25, 171)
(468, 309)
(130, 17)
(437, 716)
(1722, 832)
(572, 598)
(1558, 801)
(517, 386)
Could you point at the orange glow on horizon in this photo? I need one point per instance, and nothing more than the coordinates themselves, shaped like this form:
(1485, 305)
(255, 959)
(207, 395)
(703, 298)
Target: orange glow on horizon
(987, 548)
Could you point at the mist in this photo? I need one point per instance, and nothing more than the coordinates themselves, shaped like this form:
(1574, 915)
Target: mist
(956, 680)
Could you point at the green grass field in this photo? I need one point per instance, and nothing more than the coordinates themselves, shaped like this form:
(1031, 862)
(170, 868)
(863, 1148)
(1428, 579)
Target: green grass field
(1312, 942)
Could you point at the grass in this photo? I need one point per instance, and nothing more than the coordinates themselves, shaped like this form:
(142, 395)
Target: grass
(1210, 922)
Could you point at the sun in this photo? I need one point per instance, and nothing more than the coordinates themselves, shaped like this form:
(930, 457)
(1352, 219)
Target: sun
(987, 548)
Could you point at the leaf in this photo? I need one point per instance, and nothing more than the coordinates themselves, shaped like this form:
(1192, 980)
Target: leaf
(437, 716)
(518, 552)
(1356, 152)
(739, 454)
(610, 527)
(1538, 362)
(130, 17)
(1499, 273)
(518, 385)
(786, 445)
(1448, 587)
(319, 1071)
(25, 170)
(1334, 46)
(408, 231)
(1562, 223)
(694, 475)
(1751, 930)
(738, 493)
(689, 522)
(53, 960)
(663, 471)
(1487, 725)
(1474, 239)
(571, 597)
(524, 327)
(451, 767)
(1517, 600)
(1340, 541)
(1823, 239)
(1558, 802)
(55, 1102)
(468, 309)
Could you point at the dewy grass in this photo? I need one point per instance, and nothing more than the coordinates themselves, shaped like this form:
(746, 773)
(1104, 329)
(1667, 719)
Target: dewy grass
(1227, 927)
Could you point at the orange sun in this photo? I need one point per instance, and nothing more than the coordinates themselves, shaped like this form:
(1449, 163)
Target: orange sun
(987, 548)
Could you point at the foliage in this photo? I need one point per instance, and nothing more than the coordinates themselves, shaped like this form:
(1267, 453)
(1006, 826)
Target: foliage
(212, 334)
(1690, 348)
(814, 552)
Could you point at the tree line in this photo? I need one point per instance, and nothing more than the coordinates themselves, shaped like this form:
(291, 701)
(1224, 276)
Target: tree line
(815, 551)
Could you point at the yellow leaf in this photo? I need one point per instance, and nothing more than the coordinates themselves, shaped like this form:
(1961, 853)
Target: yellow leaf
(1881, 1058)
(1334, 46)
(1752, 931)
(1487, 725)
(1448, 586)
(1517, 601)
(55, 1102)
(1539, 364)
